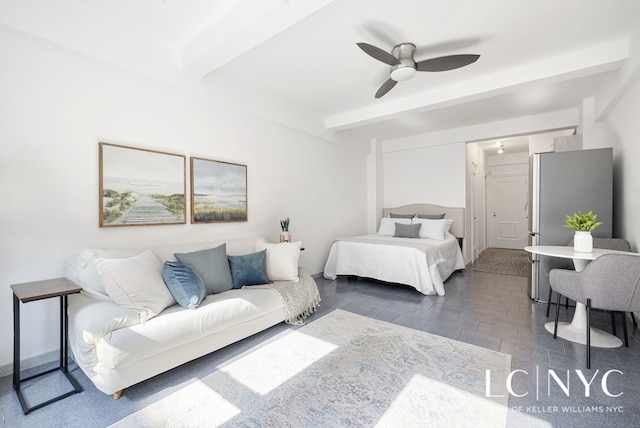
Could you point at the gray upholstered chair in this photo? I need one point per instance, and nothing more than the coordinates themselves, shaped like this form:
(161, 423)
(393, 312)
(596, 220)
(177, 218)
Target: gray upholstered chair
(549, 263)
(611, 282)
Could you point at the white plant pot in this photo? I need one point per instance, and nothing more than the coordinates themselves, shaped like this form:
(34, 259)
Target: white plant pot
(285, 237)
(583, 242)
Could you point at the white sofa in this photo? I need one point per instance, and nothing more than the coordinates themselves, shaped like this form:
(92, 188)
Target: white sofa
(115, 348)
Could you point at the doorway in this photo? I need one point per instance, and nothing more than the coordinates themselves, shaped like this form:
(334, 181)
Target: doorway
(507, 208)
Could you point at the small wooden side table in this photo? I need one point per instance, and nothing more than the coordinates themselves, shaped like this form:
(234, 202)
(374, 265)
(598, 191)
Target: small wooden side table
(29, 292)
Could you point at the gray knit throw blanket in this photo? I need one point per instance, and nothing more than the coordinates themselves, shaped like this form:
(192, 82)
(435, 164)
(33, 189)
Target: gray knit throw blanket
(300, 298)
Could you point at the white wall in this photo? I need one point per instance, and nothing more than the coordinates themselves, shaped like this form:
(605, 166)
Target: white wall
(434, 175)
(475, 205)
(56, 105)
(624, 135)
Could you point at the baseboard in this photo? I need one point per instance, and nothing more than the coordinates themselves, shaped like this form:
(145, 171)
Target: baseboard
(28, 363)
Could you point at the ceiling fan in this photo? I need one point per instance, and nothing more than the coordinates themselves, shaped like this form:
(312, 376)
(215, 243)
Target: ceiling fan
(404, 67)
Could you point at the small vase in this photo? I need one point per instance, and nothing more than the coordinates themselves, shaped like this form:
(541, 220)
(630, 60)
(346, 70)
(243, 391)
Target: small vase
(583, 242)
(285, 237)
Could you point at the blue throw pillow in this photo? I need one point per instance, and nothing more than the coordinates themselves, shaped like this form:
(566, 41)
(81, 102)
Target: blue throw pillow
(184, 284)
(250, 269)
(211, 265)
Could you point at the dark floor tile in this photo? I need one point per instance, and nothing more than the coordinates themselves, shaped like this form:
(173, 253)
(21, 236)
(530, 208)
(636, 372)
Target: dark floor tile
(487, 310)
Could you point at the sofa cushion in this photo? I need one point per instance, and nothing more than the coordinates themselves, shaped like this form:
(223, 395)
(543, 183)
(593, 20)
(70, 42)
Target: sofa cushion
(282, 259)
(184, 284)
(249, 269)
(176, 327)
(136, 283)
(212, 267)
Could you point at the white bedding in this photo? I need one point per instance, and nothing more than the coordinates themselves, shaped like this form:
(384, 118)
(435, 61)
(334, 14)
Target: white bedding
(423, 264)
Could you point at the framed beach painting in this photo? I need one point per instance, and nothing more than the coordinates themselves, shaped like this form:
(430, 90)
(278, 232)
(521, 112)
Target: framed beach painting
(218, 191)
(141, 186)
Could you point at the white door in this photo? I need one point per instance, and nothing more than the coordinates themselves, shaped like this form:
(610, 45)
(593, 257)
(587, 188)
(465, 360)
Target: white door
(507, 211)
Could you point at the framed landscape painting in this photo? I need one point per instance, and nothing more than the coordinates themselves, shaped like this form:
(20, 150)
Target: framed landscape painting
(141, 186)
(218, 191)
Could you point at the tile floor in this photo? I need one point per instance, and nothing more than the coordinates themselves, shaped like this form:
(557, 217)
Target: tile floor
(487, 310)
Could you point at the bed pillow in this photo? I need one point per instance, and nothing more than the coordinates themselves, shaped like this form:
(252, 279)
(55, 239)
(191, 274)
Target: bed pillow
(430, 229)
(394, 215)
(281, 260)
(249, 269)
(432, 216)
(388, 225)
(407, 230)
(447, 224)
(212, 266)
(136, 283)
(184, 284)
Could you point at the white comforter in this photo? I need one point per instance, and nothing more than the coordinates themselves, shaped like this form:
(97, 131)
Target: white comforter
(423, 264)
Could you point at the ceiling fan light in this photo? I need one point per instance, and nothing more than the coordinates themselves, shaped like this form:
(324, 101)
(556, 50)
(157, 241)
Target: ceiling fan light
(403, 73)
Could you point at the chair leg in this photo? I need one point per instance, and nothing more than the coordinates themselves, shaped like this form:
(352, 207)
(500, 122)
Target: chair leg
(588, 333)
(566, 303)
(613, 323)
(555, 325)
(624, 328)
(633, 318)
(549, 301)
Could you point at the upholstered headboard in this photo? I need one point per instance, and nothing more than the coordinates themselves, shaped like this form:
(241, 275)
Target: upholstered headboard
(456, 214)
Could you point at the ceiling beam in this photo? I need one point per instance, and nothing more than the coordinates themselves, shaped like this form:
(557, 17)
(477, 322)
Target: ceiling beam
(244, 28)
(591, 61)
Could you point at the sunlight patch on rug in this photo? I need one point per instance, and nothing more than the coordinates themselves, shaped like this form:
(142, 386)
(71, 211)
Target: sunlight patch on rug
(250, 372)
(344, 369)
(416, 403)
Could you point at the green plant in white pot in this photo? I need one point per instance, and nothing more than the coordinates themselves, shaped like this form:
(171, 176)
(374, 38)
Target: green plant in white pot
(582, 225)
(285, 236)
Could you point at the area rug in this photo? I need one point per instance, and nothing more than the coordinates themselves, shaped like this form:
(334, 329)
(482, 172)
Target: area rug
(503, 261)
(345, 370)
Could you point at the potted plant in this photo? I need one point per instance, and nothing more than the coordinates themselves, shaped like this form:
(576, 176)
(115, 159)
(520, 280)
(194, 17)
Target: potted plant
(285, 236)
(582, 225)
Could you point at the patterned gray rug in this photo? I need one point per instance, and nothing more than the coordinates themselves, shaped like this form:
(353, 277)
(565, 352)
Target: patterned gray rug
(503, 261)
(343, 370)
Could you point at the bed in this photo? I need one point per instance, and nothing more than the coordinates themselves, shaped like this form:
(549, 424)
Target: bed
(423, 262)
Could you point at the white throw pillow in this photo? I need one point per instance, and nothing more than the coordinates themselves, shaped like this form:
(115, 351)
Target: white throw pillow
(430, 229)
(388, 225)
(447, 224)
(136, 283)
(81, 269)
(282, 260)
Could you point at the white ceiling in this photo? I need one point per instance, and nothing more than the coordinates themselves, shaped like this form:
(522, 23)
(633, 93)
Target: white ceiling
(536, 56)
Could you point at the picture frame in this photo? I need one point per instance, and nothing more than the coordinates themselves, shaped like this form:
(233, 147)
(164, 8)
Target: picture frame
(218, 191)
(140, 187)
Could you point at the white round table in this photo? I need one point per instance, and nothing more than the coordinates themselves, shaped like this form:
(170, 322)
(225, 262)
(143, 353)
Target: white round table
(575, 331)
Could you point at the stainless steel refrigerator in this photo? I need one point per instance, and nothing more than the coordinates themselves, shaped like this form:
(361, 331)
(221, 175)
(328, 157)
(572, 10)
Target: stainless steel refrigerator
(563, 183)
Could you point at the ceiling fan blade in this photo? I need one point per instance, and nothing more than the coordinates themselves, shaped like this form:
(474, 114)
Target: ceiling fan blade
(378, 54)
(445, 63)
(386, 87)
